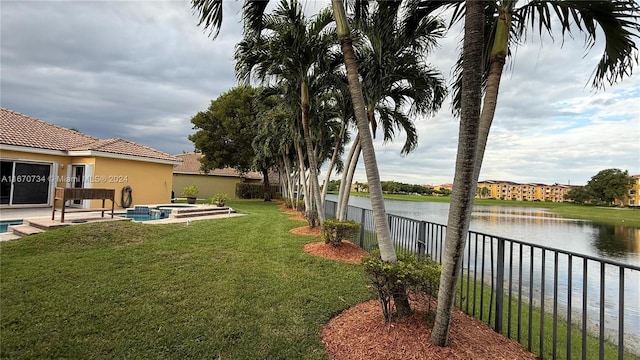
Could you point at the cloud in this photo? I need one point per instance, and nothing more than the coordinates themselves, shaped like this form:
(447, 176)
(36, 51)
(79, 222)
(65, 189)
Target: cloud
(141, 69)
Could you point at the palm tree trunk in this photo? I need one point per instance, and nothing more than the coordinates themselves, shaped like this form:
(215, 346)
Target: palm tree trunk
(287, 169)
(303, 177)
(385, 243)
(334, 156)
(464, 186)
(313, 163)
(345, 174)
(353, 163)
(497, 60)
(267, 185)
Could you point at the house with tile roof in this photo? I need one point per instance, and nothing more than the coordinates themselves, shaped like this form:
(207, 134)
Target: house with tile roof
(189, 173)
(36, 157)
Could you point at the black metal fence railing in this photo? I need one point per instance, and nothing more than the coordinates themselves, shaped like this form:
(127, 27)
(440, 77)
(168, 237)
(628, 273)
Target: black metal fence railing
(533, 294)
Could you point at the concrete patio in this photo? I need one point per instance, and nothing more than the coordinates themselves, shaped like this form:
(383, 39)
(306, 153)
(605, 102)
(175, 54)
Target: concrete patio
(37, 220)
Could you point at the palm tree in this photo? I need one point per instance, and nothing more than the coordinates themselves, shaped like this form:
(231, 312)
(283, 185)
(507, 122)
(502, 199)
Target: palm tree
(463, 185)
(288, 48)
(385, 243)
(506, 26)
(211, 18)
(394, 71)
(396, 80)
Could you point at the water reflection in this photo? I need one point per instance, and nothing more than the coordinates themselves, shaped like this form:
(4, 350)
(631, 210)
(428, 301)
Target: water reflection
(615, 241)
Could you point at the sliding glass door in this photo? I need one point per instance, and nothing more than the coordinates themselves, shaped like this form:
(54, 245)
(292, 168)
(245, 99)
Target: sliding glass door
(24, 183)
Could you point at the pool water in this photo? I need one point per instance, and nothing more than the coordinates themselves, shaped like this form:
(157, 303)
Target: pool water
(4, 224)
(136, 217)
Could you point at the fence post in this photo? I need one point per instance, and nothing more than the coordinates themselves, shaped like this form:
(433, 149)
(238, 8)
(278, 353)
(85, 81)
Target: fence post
(422, 238)
(499, 286)
(362, 228)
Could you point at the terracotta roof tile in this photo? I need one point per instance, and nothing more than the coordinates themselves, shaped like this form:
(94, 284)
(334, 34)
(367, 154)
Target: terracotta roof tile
(22, 130)
(125, 147)
(191, 165)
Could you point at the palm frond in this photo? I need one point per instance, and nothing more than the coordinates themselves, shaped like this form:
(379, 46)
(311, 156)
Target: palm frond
(210, 15)
(619, 20)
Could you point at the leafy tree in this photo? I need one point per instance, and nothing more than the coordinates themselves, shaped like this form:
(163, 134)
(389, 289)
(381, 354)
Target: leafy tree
(225, 131)
(333, 185)
(608, 185)
(579, 195)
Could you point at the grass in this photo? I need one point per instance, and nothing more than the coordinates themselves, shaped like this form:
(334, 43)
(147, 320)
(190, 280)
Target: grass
(532, 342)
(603, 215)
(237, 288)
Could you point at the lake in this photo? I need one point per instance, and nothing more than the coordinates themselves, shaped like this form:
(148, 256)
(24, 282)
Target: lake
(534, 225)
(539, 226)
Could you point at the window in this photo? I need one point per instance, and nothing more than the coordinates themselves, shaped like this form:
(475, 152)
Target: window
(24, 183)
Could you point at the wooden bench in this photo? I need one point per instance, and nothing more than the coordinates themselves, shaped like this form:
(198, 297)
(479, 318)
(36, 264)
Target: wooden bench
(66, 194)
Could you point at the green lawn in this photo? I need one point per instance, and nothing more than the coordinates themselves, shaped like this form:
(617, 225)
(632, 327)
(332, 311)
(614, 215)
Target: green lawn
(604, 215)
(237, 288)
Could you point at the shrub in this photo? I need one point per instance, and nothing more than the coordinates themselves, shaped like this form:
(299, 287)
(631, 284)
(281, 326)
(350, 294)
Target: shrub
(190, 191)
(312, 218)
(219, 199)
(335, 231)
(410, 272)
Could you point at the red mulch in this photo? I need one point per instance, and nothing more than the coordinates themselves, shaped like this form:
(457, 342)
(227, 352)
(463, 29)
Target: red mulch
(306, 230)
(297, 215)
(360, 332)
(346, 251)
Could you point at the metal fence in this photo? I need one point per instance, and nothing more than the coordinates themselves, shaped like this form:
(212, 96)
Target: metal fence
(533, 294)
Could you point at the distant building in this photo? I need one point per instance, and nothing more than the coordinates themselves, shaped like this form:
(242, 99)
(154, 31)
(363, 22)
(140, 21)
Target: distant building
(632, 199)
(188, 173)
(443, 186)
(509, 190)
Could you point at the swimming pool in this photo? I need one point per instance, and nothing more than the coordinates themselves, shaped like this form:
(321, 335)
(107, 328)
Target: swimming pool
(135, 217)
(4, 224)
(152, 212)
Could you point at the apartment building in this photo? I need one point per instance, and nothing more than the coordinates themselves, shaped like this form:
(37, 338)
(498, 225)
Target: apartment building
(507, 190)
(633, 195)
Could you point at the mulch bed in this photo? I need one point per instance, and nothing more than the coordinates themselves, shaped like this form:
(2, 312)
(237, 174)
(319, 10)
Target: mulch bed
(306, 230)
(360, 333)
(347, 251)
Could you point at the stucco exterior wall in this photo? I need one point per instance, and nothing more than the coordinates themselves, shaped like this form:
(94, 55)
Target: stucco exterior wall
(150, 182)
(207, 185)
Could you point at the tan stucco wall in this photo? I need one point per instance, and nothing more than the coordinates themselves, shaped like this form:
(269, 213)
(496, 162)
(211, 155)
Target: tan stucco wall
(207, 185)
(150, 182)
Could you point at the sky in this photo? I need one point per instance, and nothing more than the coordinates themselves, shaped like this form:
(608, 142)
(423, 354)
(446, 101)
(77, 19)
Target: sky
(140, 70)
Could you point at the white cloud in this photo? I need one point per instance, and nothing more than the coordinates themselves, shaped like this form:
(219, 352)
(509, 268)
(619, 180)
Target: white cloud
(141, 69)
